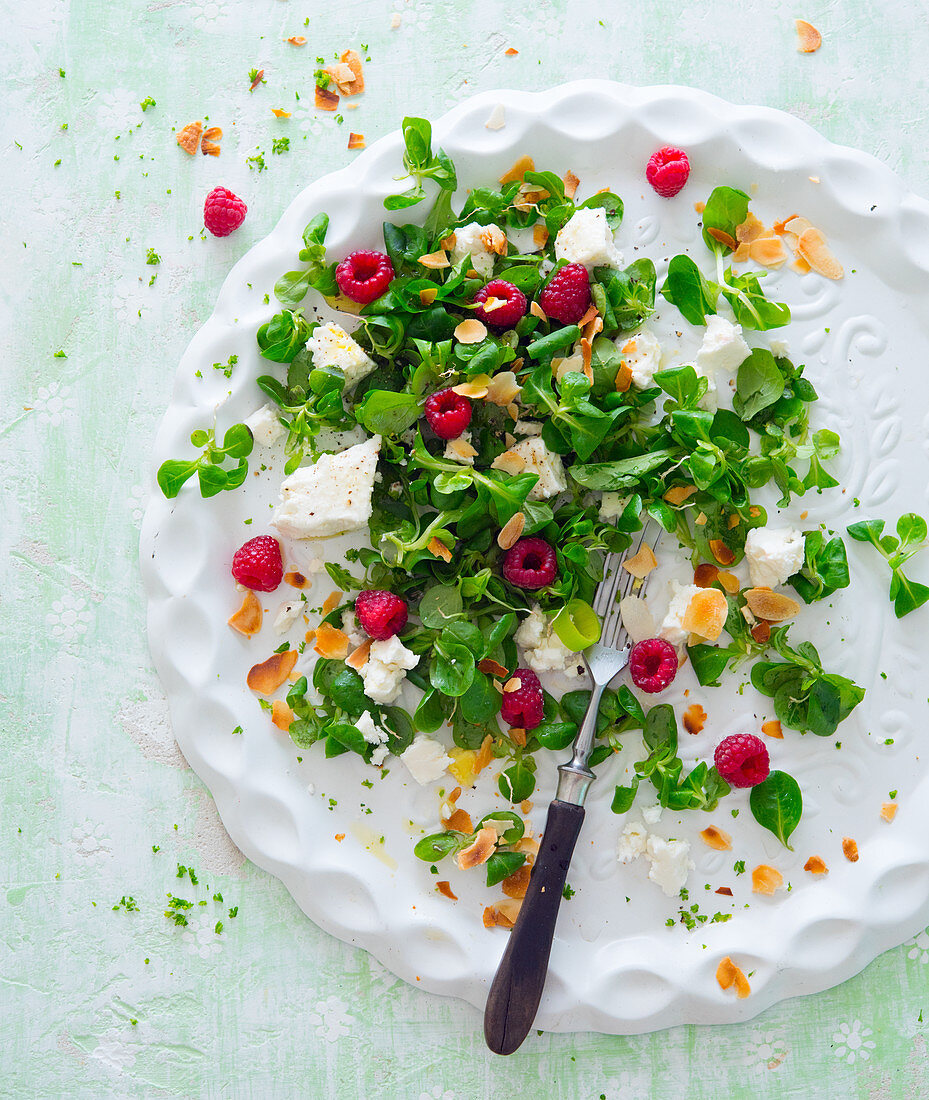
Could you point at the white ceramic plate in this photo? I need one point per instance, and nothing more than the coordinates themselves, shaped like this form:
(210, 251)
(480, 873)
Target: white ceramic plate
(615, 966)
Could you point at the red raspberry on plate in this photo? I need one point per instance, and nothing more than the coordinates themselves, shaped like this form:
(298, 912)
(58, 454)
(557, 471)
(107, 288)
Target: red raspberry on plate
(223, 212)
(667, 171)
(448, 413)
(258, 564)
(530, 563)
(506, 314)
(742, 760)
(524, 707)
(567, 296)
(652, 664)
(364, 275)
(381, 614)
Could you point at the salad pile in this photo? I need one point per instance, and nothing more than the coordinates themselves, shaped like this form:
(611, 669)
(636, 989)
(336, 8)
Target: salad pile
(498, 421)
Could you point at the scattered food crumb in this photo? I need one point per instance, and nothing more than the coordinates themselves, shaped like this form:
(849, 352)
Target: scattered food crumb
(850, 849)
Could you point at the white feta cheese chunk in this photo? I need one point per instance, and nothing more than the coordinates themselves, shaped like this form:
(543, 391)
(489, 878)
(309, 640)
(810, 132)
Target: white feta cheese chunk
(481, 243)
(723, 347)
(773, 555)
(709, 402)
(670, 863)
(379, 755)
(612, 505)
(586, 238)
(425, 759)
(265, 426)
(386, 668)
(651, 815)
(373, 734)
(460, 450)
(328, 439)
(331, 497)
(527, 427)
(672, 625)
(632, 841)
(543, 649)
(780, 349)
(287, 615)
(352, 629)
(539, 460)
(331, 346)
(642, 355)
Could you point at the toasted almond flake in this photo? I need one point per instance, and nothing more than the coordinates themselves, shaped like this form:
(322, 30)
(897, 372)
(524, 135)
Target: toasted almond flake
(850, 849)
(537, 311)
(445, 889)
(728, 581)
(511, 530)
(642, 562)
(489, 916)
(742, 254)
(509, 462)
(342, 75)
(325, 100)
(724, 890)
(476, 387)
(503, 388)
(816, 866)
(438, 549)
(497, 118)
(540, 240)
(462, 449)
(513, 411)
(677, 494)
(706, 614)
(428, 295)
(435, 261)
(494, 239)
(297, 40)
(517, 735)
(310, 637)
(721, 552)
(800, 266)
(515, 885)
(523, 165)
(247, 620)
(587, 357)
(889, 811)
(459, 822)
(623, 378)
(356, 141)
(267, 677)
(723, 237)
(750, 229)
(717, 839)
(491, 304)
(773, 607)
(358, 658)
(331, 602)
(571, 183)
(808, 37)
(484, 753)
(480, 850)
(812, 247)
(281, 715)
(768, 251)
(471, 331)
(589, 315)
(259, 76)
(509, 908)
(637, 619)
(189, 137)
(296, 580)
(772, 728)
(209, 143)
(729, 975)
(700, 520)
(513, 684)
(279, 112)
(705, 575)
(331, 642)
(766, 879)
(593, 327)
(340, 837)
(353, 60)
(813, 179)
(694, 718)
(448, 242)
(510, 52)
(492, 667)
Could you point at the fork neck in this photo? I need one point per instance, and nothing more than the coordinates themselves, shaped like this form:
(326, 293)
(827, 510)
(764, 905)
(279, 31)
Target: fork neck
(575, 776)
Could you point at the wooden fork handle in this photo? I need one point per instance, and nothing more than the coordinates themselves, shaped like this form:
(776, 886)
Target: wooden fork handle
(517, 987)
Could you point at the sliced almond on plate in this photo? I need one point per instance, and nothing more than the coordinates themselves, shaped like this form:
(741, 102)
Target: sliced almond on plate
(511, 531)
(267, 677)
(766, 879)
(331, 642)
(694, 719)
(471, 331)
(706, 614)
(480, 850)
(816, 866)
(717, 839)
(247, 620)
(773, 607)
(642, 562)
(728, 975)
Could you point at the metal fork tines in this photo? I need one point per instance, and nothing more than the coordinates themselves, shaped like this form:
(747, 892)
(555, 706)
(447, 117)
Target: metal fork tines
(618, 583)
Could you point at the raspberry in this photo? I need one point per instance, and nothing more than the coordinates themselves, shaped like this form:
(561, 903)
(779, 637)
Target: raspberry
(448, 413)
(381, 614)
(652, 664)
(364, 275)
(567, 296)
(505, 315)
(667, 171)
(223, 212)
(258, 564)
(742, 760)
(530, 563)
(523, 708)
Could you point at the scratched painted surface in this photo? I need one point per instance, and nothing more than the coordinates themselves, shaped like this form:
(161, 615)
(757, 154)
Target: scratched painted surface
(96, 1002)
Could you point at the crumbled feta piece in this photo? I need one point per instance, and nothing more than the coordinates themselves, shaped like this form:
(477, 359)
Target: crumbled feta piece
(670, 863)
(586, 238)
(631, 842)
(460, 450)
(651, 815)
(774, 554)
(352, 629)
(672, 625)
(642, 355)
(539, 460)
(780, 349)
(287, 615)
(612, 505)
(331, 497)
(723, 347)
(331, 346)
(709, 402)
(481, 242)
(543, 649)
(328, 439)
(426, 760)
(265, 426)
(373, 734)
(379, 755)
(385, 669)
(527, 427)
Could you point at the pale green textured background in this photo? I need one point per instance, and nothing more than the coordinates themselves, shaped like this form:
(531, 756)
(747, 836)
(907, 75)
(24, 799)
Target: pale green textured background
(91, 777)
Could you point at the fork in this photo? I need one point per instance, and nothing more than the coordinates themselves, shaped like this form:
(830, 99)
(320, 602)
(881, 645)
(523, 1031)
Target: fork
(517, 986)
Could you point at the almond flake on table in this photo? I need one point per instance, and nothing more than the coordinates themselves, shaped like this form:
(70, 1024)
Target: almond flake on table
(189, 137)
(325, 100)
(209, 143)
(297, 40)
(808, 37)
(279, 112)
(356, 141)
